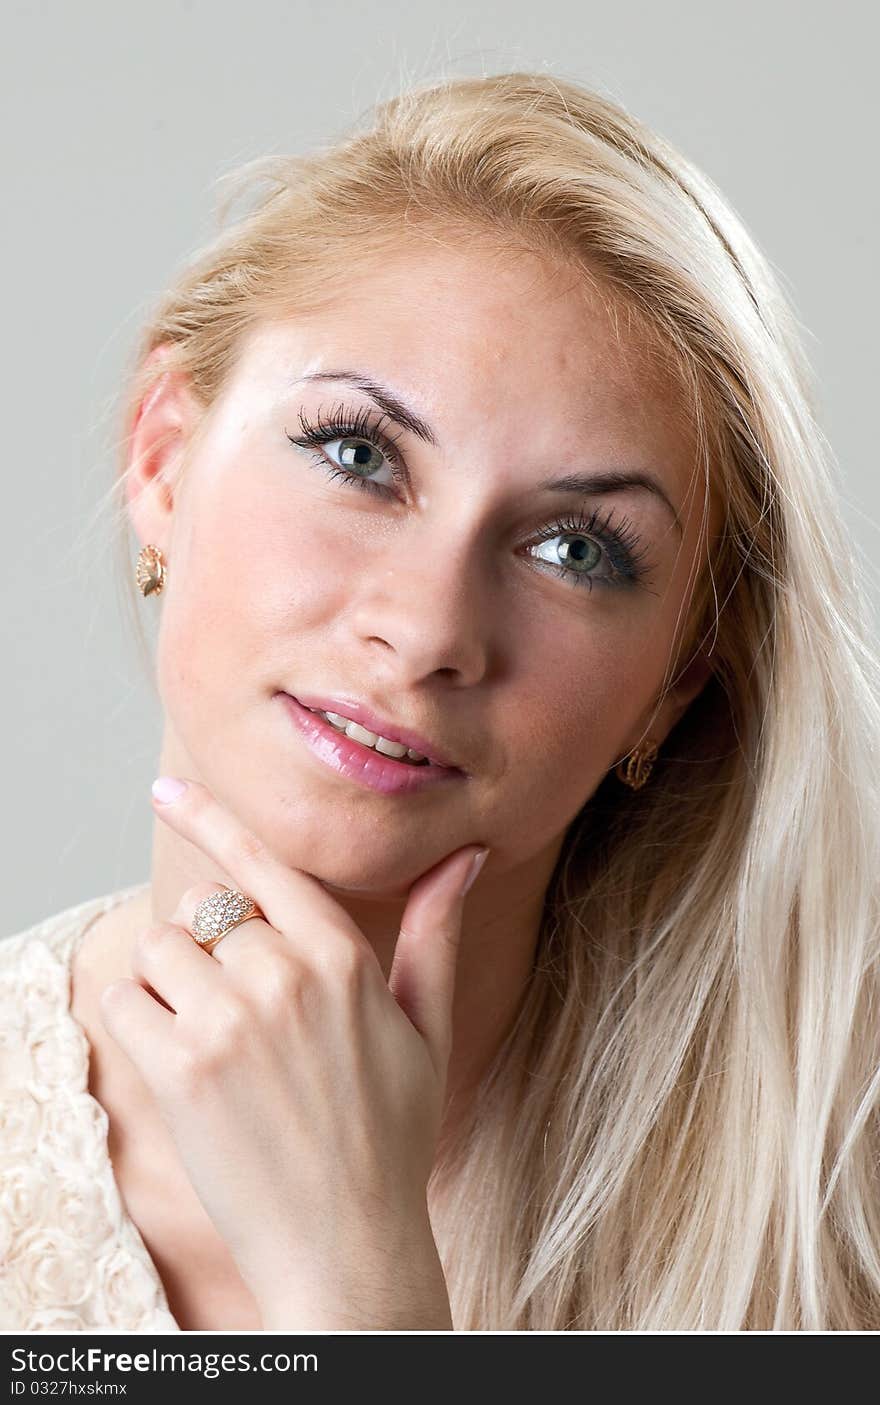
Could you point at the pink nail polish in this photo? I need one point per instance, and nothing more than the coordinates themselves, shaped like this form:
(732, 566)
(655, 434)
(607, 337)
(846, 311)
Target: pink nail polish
(167, 788)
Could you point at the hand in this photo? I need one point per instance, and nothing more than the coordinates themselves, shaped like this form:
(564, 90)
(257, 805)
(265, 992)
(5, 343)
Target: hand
(304, 1092)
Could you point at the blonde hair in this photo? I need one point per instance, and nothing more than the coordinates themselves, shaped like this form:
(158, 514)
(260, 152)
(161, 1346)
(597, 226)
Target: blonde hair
(680, 1130)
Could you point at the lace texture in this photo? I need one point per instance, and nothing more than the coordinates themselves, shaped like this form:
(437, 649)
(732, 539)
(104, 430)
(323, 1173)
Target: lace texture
(71, 1258)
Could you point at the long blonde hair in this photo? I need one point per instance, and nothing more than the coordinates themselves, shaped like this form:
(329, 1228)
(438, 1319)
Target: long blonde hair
(681, 1128)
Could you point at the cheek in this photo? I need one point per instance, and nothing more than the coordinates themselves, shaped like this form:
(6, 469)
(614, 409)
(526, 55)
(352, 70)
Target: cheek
(570, 721)
(590, 680)
(259, 569)
(295, 578)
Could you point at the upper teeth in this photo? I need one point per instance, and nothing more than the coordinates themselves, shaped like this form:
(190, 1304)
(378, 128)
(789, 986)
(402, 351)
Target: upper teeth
(360, 734)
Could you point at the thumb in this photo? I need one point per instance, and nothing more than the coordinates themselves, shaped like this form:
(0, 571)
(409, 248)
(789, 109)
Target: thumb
(422, 978)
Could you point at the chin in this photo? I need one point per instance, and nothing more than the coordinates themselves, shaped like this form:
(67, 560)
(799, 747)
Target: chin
(352, 885)
(368, 894)
(382, 878)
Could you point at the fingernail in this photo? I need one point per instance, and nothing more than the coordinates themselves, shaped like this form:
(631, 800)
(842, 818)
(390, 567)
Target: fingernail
(167, 788)
(479, 859)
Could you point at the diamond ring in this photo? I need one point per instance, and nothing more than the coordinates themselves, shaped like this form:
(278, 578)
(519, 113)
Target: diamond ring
(218, 914)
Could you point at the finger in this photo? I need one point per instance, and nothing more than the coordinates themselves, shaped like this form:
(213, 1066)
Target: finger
(142, 1028)
(176, 968)
(240, 944)
(294, 902)
(422, 978)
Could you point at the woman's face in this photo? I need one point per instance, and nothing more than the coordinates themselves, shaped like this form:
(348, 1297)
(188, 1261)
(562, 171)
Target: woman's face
(463, 599)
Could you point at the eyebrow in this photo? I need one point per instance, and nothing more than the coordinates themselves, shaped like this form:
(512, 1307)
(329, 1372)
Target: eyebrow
(583, 484)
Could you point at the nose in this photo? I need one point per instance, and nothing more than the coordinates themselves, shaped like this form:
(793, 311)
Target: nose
(424, 599)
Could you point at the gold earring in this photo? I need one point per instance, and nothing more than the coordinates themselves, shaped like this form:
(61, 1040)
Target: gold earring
(150, 570)
(635, 769)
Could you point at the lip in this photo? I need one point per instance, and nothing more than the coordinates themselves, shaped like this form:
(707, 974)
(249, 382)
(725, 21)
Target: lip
(358, 763)
(357, 712)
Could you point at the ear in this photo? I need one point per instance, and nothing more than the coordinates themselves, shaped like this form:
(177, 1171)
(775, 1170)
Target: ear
(164, 423)
(660, 723)
(689, 684)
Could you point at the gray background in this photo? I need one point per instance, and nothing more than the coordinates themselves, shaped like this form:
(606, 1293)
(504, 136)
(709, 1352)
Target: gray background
(117, 120)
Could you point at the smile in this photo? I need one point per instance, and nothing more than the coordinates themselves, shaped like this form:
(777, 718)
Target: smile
(339, 746)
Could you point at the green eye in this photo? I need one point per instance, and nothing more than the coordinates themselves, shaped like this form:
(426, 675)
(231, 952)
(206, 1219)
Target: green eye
(590, 540)
(364, 444)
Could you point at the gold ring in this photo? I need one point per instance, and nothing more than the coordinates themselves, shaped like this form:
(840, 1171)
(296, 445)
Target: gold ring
(218, 914)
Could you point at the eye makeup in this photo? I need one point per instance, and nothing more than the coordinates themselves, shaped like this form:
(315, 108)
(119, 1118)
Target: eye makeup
(619, 546)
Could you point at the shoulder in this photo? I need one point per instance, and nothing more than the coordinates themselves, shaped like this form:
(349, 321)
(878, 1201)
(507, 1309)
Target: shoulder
(40, 1042)
(69, 1257)
(42, 1047)
(54, 931)
(51, 941)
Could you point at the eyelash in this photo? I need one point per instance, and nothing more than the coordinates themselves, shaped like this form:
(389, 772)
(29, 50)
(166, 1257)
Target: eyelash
(620, 543)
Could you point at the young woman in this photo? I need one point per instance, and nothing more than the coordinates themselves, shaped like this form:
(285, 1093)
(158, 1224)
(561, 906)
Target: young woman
(477, 489)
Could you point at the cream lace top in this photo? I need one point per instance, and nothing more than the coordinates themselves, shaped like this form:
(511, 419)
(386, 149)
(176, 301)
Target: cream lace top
(71, 1258)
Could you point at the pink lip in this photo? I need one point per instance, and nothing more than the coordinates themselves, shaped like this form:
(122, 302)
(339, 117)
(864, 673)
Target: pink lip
(357, 712)
(360, 763)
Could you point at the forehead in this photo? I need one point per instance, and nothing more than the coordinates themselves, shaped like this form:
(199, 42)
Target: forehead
(493, 313)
